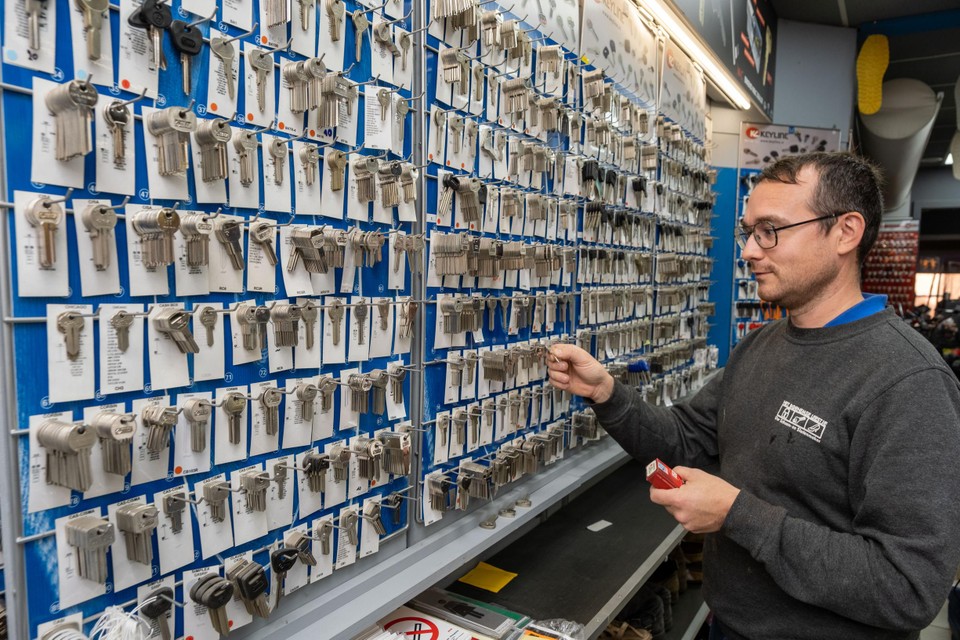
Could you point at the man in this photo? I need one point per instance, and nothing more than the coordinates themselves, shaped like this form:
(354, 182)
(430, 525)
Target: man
(836, 512)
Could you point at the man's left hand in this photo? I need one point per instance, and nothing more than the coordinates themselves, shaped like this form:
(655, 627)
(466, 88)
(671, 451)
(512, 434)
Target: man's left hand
(701, 504)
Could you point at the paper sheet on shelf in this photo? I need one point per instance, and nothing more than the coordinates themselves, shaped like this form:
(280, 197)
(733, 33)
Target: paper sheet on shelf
(488, 577)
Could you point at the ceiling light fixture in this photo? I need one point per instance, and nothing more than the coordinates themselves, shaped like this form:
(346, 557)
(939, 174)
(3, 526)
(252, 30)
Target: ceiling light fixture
(680, 33)
(949, 160)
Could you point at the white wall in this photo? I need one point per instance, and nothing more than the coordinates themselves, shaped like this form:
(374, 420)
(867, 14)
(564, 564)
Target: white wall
(935, 189)
(815, 76)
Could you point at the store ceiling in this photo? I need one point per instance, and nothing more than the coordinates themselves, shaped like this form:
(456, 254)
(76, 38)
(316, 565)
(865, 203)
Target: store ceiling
(930, 56)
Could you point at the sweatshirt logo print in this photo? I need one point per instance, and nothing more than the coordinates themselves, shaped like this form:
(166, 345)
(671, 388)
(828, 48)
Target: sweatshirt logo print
(801, 421)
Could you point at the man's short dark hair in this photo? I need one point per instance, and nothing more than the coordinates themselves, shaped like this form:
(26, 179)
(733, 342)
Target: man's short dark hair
(846, 182)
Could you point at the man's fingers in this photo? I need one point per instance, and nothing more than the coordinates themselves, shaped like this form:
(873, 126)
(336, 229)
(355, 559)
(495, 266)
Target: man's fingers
(661, 496)
(557, 377)
(557, 365)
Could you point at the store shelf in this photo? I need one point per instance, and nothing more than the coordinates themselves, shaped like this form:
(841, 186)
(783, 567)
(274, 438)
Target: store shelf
(688, 615)
(567, 571)
(355, 604)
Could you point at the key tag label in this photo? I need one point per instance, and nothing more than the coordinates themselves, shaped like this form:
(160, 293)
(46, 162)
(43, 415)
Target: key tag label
(70, 379)
(243, 196)
(360, 352)
(44, 496)
(219, 100)
(308, 195)
(260, 441)
(168, 366)
(397, 128)
(214, 191)
(346, 549)
(126, 573)
(190, 281)
(144, 281)
(103, 483)
(261, 275)
(276, 197)
(451, 392)
(236, 609)
(144, 591)
(16, 38)
(357, 485)
(73, 589)
(430, 515)
(94, 282)
(185, 460)
(287, 121)
(378, 128)
(336, 492)
(226, 451)
(396, 409)
(111, 177)
(209, 363)
(215, 537)
(441, 438)
(45, 168)
(148, 466)
(381, 338)
(223, 277)
(237, 13)
(172, 187)
(324, 566)
(136, 54)
(334, 353)
(297, 431)
(382, 60)
(305, 358)
(396, 263)
(369, 538)
(323, 421)
(248, 524)
(280, 510)
(298, 281)
(196, 620)
(298, 576)
(277, 35)
(102, 68)
(333, 201)
(310, 501)
(304, 39)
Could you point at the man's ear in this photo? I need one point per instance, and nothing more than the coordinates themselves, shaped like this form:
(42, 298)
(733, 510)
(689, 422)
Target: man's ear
(850, 229)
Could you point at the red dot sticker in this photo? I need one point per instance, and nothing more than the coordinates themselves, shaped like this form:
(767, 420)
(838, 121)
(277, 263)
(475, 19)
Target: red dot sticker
(213, 106)
(230, 623)
(430, 156)
(125, 84)
(263, 40)
(313, 133)
(249, 117)
(281, 126)
(448, 163)
(178, 470)
(457, 225)
(463, 165)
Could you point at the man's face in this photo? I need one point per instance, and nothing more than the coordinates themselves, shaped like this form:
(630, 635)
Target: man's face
(802, 263)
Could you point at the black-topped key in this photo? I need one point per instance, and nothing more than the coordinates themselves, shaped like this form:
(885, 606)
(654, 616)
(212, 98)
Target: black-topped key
(188, 42)
(155, 607)
(281, 561)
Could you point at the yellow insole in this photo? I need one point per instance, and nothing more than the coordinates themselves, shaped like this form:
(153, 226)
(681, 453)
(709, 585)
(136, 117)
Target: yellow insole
(871, 65)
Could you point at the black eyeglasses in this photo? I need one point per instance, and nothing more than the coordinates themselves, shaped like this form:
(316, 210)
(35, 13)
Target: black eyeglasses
(766, 234)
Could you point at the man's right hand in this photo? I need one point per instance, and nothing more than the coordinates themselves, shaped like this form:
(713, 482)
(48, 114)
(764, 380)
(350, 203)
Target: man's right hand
(573, 369)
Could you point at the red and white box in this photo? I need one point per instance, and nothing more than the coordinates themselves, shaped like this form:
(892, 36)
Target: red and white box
(663, 477)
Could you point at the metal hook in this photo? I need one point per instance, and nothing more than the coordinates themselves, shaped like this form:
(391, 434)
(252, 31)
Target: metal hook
(282, 46)
(269, 127)
(293, 215)
(412, 98)
(47, 201)
(182, 497)
(215, 214)
(417, 30)
(377, 8)
(355, 149)
(546, 37)
(202, 20)
(124, 103)
(119, 206)
(347, 71)
(399, 19)
(242, 35)
(374, 81)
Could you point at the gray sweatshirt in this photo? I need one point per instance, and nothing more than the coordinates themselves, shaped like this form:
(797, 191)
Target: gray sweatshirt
(845, 443)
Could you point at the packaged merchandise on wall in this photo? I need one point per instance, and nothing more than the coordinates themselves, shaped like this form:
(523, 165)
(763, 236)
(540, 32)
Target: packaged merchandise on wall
(282, 279)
